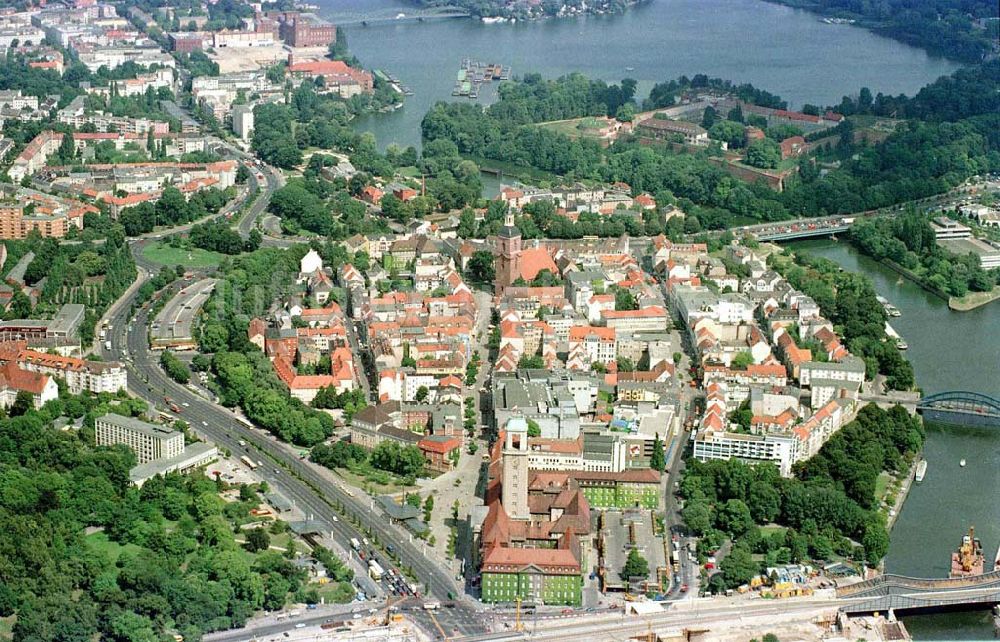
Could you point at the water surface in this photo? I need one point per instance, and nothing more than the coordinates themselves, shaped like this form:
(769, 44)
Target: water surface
(785, 51)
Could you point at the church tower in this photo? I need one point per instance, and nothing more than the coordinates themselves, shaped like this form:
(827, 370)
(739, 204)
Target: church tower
(508, 260)
(514, 487)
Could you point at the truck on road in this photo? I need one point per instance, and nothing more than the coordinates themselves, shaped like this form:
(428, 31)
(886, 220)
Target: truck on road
(375, 570)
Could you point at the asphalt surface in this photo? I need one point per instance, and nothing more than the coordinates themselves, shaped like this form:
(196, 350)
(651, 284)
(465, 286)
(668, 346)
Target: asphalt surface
(175, 321)
(298, 480)
(322, 615)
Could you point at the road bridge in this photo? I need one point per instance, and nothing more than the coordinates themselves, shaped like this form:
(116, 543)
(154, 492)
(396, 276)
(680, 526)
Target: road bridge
(961, 407)
(903, 593)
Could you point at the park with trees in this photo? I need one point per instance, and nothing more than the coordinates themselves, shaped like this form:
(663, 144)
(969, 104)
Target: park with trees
(828, 510)
(953, 121)
(112, 561)
(907, 241)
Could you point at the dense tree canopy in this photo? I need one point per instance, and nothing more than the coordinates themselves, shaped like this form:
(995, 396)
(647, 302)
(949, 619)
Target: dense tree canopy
(163, 557)
(828, 505)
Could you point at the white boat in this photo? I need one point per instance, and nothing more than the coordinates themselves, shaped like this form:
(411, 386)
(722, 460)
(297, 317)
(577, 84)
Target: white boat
(962, 463)
(921, 470)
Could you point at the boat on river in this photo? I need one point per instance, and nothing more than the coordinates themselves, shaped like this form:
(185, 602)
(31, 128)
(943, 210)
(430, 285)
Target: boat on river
(894, 336)
(921, 470)
(890, 309)
(968, 560)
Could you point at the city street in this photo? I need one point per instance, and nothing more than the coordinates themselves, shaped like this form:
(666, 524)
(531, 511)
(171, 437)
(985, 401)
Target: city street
(298, 480)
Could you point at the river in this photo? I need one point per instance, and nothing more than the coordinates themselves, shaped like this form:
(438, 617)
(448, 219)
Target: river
(786, 51)
(949, 351)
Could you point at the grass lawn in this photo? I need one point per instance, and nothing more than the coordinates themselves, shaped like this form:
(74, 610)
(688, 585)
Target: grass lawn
(587, 127)
(100, 542)
(334, 593)
(772, 528)
(881, 485)
(973, 300)
(359, 481)
(7, 627)
(170, 256)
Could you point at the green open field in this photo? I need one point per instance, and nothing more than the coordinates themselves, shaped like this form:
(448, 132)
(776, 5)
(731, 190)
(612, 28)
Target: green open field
(882, 485)
(163, 254)
(586, 127)
(100, 542)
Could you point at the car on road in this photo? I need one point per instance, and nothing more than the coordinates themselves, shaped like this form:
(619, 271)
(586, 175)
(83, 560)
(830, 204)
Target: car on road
(300, 625)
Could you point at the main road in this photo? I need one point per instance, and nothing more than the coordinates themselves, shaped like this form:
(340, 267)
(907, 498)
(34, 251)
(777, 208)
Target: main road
(310, 489)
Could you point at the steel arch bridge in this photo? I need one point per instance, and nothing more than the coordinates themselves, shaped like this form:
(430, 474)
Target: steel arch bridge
(961, 407)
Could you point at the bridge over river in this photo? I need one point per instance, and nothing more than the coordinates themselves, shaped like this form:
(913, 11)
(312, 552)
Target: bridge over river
(960, 407)
(915, 594)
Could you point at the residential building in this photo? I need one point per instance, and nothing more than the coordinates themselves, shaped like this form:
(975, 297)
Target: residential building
(14, 380)
(80, 375)
(243, 121)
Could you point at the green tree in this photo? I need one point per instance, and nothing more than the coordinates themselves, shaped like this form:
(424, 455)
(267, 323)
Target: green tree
(742, 360)
(875, 541)
(534, 430)
(625, 300)
(734, 518)
(697, 514)
(481, 267)
(23, 402)
(765, 154)
(421, 394)
(257, 540)
(657, 460)
(635, 566)
(428, 507)
(738, 567)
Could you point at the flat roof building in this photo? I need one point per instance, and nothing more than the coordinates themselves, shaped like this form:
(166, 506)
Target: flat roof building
(149, 441)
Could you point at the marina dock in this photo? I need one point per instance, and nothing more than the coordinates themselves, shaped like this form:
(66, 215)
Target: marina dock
(473, 74)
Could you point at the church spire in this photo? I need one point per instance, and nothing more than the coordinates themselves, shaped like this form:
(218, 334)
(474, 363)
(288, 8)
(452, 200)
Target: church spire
(508, 220)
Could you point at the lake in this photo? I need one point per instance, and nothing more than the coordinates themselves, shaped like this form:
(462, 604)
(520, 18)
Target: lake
(785, 51)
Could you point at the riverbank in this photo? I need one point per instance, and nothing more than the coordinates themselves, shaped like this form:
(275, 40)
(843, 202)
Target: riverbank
(973, 300)
(966, 303)
(954, 44)
(498, 11)
(949, 351)
(905, 483)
